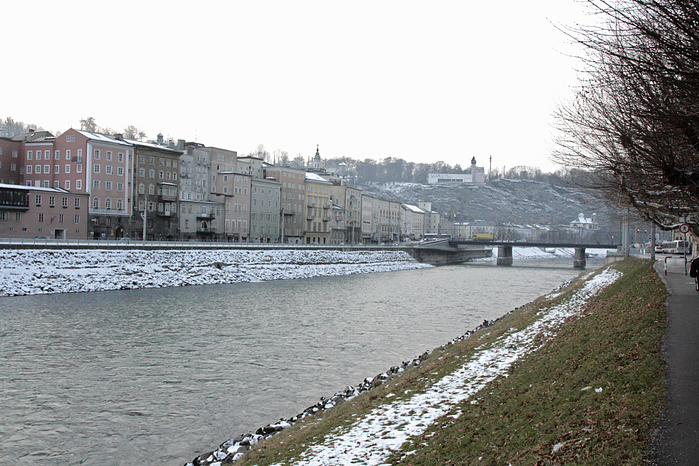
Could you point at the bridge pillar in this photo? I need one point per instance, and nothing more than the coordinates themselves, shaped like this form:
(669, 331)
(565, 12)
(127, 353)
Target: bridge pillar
(504, 255)
(579, 261)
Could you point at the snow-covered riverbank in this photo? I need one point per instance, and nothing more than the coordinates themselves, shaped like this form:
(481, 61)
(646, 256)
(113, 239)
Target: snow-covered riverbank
(26, 272)
(30, 271)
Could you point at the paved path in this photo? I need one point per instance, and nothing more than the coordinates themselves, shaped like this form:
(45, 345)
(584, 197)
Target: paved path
(677, 442)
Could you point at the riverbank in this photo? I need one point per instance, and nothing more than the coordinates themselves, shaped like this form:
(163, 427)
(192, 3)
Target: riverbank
(28, 272)
(42, 271)
(575, 377)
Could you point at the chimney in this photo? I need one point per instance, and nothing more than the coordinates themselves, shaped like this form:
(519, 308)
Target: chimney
(119, 136)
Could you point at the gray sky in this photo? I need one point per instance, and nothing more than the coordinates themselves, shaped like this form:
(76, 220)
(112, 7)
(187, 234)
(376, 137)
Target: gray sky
(422, 81)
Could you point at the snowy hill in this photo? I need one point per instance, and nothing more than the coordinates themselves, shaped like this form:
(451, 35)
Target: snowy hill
(503, 201)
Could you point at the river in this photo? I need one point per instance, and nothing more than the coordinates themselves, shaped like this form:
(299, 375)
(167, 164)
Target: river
(158, 376)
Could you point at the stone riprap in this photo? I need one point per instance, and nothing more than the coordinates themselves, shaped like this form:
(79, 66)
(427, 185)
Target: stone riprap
(28, 272)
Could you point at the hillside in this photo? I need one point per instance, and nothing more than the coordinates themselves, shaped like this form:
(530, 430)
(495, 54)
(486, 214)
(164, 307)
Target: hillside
(503, 201)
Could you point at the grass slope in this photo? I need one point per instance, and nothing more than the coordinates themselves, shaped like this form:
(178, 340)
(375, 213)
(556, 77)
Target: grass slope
(591, 395)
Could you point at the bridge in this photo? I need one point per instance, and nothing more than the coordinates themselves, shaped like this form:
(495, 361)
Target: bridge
(505, 248)
(438, 252)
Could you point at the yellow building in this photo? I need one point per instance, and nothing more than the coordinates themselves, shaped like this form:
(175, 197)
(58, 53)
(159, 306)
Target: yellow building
(318, 210)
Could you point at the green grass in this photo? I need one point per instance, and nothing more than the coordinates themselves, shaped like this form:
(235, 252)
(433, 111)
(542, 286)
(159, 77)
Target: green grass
(549, 409)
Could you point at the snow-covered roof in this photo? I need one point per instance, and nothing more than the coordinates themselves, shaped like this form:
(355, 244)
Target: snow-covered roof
(414, 208)
(152, 145)
(102, 138)
(316, 178)
(36, 188)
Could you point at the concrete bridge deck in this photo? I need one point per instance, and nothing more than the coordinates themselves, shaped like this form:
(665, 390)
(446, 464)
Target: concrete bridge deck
(505, 248)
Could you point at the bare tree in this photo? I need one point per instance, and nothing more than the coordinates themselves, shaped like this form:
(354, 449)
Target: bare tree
(88, 124)
(11, 127)
(632, 126)
(131, 132)
(298, 161)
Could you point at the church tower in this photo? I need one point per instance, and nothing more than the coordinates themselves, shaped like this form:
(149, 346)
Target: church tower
(316, 158)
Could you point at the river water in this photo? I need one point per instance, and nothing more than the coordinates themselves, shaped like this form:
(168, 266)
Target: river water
(158, 376)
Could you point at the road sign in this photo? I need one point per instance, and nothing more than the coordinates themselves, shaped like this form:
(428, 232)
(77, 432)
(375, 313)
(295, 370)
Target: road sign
(684, 228)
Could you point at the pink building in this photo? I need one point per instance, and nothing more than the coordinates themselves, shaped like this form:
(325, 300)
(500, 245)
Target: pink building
(30, 212)
(94, 164)
(10, 161)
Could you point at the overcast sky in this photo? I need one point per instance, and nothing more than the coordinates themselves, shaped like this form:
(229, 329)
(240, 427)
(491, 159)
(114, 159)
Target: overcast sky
(423, 81)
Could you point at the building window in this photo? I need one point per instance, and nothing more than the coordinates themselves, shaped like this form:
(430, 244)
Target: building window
(108, 185)
(47, 169)
(41, 218)
(120, 171)
(108, 169)
(161, 174)
(68, 154)
(95, 202)
(109, 156)
(57, 155)
(96, 184)
(151, 189)
(120, 157)
(13, 167)
(141, 189)
(60, 218)
(70, 138)
(108, 203)
(96, 168)
(67, 185)
(120, 204)
(29, 155)
(56, 169)
(52, 201)
(120, 186)
(37, 199)
(97, 154)
(76, 219)
(79, 185)
(151, 173)
(79, 168)
(77, 202)
(64, 202)
(29, 169)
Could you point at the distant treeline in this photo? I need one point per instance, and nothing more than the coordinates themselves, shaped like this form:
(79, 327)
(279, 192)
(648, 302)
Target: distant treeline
(392, 169)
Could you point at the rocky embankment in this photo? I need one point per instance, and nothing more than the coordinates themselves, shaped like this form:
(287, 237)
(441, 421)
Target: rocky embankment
(28, 272)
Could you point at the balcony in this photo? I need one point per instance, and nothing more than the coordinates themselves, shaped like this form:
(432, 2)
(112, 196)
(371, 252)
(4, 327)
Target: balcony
(326, 218)
(167, 197)
(209, 216)
(106, 211)
(166, 213)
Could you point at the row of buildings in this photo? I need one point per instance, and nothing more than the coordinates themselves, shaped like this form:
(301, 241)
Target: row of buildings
(89, 185)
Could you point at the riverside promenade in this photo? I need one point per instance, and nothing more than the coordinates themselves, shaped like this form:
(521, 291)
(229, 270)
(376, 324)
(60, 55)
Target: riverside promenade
(677, 441)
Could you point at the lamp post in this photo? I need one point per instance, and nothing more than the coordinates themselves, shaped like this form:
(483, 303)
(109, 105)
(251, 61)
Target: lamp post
(144, 216)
